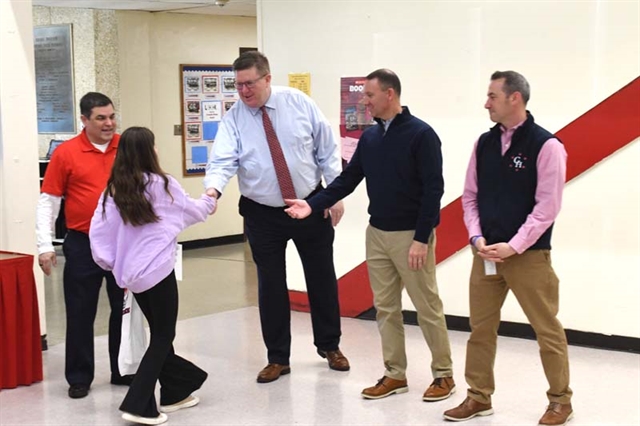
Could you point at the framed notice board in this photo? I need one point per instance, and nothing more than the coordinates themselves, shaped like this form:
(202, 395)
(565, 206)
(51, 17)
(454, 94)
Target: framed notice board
(53, 53)
(207, 92)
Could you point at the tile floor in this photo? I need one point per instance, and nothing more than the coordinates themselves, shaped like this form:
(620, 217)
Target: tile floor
(219, 330)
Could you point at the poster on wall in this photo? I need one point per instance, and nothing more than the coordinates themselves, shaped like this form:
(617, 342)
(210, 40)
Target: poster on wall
(207, 92)
(53, 54)
(354, 116)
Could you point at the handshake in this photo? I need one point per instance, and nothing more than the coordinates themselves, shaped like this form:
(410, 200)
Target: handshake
(213, 193)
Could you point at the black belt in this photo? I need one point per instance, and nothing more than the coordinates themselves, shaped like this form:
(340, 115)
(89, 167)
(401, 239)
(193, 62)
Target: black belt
(314, 192)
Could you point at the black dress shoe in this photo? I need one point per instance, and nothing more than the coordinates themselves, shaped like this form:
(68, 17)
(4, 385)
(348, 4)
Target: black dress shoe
(78, 391)
(122, 380)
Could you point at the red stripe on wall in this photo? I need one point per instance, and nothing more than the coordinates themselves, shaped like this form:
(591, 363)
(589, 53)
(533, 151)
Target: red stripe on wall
(592, 137)
(603, 130)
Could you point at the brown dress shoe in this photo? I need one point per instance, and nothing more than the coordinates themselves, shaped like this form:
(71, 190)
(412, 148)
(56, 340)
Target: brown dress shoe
(385, 387)
(468, 410)
(336, 360)
(272, 372)
(441, 388)
(556, 415)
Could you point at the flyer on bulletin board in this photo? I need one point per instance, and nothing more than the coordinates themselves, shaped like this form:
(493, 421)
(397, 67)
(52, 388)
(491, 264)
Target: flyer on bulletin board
(207, 93)
(354, 115)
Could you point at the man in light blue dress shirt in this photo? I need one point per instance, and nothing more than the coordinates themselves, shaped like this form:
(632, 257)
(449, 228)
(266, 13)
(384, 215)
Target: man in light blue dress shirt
(311, 153)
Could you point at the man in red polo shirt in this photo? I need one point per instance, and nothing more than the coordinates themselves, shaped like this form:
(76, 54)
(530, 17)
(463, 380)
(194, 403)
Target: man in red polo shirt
(78, 171)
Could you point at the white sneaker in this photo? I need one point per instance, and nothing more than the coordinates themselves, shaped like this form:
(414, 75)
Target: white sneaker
(145, 420)
(189, 401)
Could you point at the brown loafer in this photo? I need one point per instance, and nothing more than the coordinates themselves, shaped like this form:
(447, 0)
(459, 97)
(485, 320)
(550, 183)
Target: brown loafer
(272, 372)
(441, 388)
(337, 361)
(469, 409)
(385, 387)
(556, 415)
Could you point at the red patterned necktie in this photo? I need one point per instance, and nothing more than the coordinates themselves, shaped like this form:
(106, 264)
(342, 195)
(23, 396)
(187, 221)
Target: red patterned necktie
(279, 162)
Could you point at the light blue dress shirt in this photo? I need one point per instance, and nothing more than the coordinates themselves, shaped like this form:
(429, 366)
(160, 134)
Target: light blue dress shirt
(241, 148)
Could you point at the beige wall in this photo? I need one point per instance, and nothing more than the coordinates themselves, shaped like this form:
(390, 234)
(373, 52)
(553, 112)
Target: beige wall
(151, 47)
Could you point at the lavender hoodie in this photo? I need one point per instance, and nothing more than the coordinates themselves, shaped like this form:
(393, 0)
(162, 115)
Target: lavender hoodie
(142, 256)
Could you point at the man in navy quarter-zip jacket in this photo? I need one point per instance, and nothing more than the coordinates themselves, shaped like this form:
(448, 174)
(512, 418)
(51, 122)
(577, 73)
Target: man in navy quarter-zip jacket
(402, 161)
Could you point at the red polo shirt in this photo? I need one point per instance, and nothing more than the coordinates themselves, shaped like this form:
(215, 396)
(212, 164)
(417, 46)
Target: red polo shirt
(78, 171)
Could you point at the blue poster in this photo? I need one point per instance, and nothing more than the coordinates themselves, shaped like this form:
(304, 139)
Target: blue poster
(209, 130)
(199, 155)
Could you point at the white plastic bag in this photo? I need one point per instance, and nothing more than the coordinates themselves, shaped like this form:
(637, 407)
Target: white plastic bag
(133, 341)
(178, 265)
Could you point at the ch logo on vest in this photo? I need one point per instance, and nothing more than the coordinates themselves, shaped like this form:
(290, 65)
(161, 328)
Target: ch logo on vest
(517, 162)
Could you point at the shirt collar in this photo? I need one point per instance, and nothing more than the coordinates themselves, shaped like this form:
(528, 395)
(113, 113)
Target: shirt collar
(270, 104)
(88, 146)
(513, 129)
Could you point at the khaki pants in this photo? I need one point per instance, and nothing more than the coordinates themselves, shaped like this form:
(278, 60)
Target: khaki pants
(388, 265)
(532, 280)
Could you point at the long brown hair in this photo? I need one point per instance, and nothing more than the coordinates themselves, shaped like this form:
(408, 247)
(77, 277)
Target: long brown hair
(127, 184)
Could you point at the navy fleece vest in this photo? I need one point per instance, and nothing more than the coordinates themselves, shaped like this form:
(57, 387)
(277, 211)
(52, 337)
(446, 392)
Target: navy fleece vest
(507, 184)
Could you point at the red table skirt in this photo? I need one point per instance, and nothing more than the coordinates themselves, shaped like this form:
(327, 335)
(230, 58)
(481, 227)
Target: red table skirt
(20, 341)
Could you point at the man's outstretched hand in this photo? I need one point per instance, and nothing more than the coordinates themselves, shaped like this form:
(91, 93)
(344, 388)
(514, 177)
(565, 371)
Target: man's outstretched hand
(298, 209)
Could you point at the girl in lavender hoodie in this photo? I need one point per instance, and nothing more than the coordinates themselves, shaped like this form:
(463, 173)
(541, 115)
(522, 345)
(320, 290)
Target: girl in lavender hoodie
(133, 233)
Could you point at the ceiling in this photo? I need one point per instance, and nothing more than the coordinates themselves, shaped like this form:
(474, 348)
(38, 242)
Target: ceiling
(203, 7)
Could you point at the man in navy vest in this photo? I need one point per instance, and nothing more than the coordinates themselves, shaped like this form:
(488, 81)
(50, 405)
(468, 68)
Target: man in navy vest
(512, 195)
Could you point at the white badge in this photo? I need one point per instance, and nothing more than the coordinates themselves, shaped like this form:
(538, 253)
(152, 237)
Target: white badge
(489, 267)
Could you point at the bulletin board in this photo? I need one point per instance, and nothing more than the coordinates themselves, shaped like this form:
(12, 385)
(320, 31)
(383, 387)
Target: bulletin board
(207, 92)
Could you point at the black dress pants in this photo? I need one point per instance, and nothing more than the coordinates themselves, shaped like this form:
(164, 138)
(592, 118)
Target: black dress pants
(178, 377)
(268, 230)
(82, 279)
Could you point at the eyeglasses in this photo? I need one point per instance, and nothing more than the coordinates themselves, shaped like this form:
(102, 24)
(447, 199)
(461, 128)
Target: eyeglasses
(249, 84)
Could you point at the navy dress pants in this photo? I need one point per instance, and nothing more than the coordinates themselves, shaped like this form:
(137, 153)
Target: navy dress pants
(269, 229)
(82, 279)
